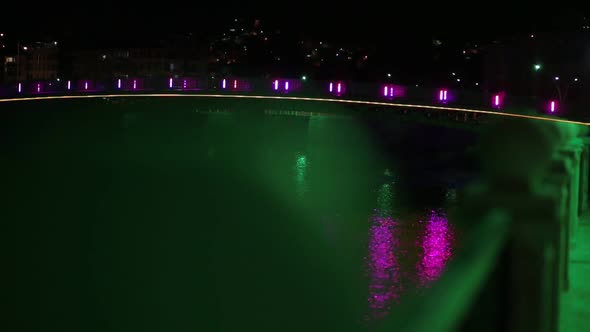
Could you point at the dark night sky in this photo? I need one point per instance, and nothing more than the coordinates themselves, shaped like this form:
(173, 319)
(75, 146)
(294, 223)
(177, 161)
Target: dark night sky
(370, 21)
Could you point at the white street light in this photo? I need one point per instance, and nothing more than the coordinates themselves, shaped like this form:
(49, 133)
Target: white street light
(556, 78)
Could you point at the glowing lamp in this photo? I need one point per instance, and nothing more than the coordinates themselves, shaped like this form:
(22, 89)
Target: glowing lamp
(552, 106)
(443, 95)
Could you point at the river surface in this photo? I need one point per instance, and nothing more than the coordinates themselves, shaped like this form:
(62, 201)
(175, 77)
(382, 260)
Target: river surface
(224, 221)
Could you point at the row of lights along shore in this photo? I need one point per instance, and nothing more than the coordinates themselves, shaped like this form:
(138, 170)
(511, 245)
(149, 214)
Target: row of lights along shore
(335, 88)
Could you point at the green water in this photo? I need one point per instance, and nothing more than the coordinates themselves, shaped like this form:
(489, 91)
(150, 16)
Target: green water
(183, 221)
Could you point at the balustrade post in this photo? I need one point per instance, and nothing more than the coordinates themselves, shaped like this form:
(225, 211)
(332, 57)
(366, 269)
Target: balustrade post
(516, 157)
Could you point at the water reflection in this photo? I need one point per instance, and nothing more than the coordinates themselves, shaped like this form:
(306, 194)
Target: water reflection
(384, 272)
(300, 174)
(436, 243)
(382, 260)
(406, 252)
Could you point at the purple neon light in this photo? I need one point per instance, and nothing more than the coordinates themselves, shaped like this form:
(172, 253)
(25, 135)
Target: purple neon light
(437, 242)
(184, 84)
(286, 85)
(497, 100)
(235, 84)
(69, 85)
(331, 86)
(134, 84)
(170, 83)
(85, 85)
(276, 84)
(339, 89)
(223, 84)
(440, 95)
(445, 95)
(552, 106)
(38, 87)
(119, 83)
(391, 91)
(385, 91)
(20, 87)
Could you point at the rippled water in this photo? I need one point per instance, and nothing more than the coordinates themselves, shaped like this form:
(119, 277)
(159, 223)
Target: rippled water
(222, 221)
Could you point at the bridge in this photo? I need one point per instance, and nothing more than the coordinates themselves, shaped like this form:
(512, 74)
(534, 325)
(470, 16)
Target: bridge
(531, 206)
(369, 95)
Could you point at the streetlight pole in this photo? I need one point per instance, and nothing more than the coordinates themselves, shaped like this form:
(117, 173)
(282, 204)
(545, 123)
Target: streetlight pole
(17, 59)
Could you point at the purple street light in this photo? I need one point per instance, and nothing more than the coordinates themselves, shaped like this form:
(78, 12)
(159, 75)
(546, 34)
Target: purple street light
(443, 95)
(552, 106)
(134, 84)
(69, 85)
(286, 86)
(388, 91)
(85, 85)
(20, 87)
(497, 100)
(336, 88)
(276, 84)
(119, 83)
(170, 81)
(223, 84)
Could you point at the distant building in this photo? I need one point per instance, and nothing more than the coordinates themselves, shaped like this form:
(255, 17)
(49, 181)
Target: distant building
(151, 62)
(36, 62)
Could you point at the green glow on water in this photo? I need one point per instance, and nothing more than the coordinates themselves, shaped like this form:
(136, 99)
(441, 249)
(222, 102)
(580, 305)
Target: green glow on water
(301, 174)
(384, 200)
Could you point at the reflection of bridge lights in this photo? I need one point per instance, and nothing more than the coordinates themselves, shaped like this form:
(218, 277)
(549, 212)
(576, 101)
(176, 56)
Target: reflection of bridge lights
(437, 248)
(384, 273)
(552, 106)
(20, 87)
(119, 83)
(300, 174)
(170, 81)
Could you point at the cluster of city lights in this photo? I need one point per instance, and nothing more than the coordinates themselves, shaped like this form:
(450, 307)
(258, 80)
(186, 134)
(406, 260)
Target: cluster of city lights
(335, 88)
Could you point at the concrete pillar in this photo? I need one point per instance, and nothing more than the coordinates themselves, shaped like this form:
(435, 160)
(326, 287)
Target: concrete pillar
(516, 156)
(573, 152)
(557, 181)
(584, 176)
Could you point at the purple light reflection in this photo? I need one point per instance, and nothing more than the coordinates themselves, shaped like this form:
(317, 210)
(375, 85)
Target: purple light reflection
(383, 267)
(437, 248)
